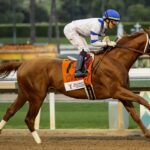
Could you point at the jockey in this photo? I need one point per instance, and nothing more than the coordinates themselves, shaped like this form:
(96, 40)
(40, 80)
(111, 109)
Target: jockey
(78, 30)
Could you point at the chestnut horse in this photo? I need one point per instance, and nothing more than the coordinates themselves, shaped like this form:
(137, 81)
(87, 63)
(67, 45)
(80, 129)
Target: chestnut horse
(109, 78)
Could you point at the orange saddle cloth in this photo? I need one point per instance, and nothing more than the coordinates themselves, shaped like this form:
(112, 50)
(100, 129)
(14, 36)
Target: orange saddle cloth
(68, 70)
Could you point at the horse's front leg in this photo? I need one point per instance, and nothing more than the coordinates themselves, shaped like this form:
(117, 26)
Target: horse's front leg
(130, 108)
(125, 94)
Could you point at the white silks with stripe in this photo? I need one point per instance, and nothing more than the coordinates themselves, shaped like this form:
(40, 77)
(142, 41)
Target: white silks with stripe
(78, 30)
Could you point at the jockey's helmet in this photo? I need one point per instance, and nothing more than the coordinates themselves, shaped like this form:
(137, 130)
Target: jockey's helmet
(111, 14)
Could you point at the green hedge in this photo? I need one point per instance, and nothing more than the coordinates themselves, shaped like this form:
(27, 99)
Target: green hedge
(128, 26)
(23, 30)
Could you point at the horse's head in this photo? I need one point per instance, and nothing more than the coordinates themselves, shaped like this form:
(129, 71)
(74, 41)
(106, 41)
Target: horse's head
(138, 42)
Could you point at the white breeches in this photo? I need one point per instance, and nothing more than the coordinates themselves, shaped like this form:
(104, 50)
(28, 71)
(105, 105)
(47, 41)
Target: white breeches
(75, 38)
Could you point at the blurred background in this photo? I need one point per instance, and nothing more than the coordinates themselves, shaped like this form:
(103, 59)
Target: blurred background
(41, 22)
(30, 21)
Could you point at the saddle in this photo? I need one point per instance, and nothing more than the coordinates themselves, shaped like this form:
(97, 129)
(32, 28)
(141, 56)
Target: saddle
(72, 83)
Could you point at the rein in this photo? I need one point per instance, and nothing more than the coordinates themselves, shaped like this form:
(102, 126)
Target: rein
(129, 48)
(94, 69)
(125, 47)
(136, 50)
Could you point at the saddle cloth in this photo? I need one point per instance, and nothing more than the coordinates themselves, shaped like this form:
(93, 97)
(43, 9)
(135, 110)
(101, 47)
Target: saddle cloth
(68, 70)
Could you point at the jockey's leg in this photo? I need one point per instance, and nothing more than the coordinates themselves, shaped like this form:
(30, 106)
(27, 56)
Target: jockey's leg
(79, 42)
(80, 70)
(83, 49)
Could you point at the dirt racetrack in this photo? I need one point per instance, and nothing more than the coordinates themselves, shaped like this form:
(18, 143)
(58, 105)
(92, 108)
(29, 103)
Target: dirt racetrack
(74, 140)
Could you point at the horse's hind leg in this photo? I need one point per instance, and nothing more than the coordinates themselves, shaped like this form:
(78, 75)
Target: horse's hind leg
(34, 107)
(15, 106)
(130, 108)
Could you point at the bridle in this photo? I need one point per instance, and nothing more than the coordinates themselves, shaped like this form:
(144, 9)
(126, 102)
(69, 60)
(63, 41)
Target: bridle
(147, 45)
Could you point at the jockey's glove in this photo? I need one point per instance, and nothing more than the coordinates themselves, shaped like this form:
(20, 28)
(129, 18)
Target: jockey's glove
(106, 39)
(111, 43)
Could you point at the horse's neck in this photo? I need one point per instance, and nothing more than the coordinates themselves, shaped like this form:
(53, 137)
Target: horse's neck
(124, 56)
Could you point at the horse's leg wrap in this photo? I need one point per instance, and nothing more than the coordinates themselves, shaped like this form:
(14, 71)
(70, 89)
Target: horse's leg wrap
(2, 124)
(36, 137)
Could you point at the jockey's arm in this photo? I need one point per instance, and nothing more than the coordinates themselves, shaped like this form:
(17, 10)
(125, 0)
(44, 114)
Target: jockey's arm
(95, 40)
(98, 43)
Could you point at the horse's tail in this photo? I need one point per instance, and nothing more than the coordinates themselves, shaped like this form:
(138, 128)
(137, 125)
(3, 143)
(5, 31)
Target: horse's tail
(6, 68)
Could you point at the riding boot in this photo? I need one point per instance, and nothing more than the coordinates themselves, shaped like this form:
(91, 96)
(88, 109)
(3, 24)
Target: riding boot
(80, 70)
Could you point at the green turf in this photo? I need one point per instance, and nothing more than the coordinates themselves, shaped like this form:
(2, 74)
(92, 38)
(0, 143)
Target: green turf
(82, 115)
(62, 40)
(68, 115)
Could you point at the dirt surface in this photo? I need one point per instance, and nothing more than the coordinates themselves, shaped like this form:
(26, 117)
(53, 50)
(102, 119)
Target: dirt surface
(74, 140)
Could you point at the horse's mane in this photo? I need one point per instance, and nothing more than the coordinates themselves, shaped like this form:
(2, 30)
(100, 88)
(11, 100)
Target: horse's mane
(127, 38)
